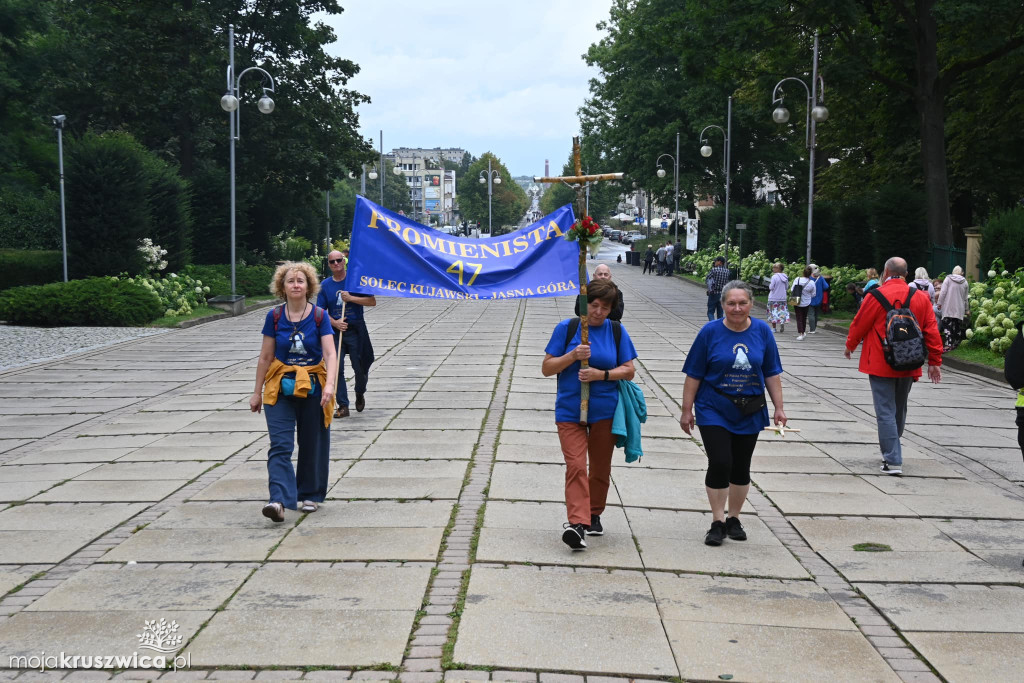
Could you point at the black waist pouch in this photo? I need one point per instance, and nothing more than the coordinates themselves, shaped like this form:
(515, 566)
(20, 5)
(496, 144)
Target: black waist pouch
(747, 405)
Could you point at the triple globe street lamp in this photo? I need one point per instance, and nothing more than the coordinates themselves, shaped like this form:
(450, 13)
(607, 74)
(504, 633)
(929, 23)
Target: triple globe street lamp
(229, 103)
(491, 178)
(816, 113)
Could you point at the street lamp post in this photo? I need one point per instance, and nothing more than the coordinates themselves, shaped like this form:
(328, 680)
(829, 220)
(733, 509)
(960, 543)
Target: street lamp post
(816, 113)
(675, 180)
(229, 103)
(58, 123)
(706, 151)
(492, 177)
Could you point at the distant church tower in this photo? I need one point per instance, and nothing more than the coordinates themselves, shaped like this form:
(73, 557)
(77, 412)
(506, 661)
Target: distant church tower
(547, 172)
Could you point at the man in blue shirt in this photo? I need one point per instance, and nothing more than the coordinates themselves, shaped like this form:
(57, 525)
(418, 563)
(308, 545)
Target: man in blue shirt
(355, 342)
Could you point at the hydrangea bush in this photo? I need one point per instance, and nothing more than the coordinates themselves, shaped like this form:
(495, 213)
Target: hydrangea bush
(178, 294)
(997, 307)
(152, 255)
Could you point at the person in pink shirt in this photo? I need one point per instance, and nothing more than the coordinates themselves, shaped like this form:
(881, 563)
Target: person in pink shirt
(778, 308)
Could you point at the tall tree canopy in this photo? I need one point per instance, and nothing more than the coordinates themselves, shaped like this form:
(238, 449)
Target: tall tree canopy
(508, 201)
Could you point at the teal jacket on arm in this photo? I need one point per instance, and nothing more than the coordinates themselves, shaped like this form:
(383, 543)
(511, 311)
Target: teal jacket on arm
(630, 413)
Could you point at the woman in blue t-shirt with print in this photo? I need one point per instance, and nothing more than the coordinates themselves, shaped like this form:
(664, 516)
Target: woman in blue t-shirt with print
(610, 361)
(728, 367)
(295, 383)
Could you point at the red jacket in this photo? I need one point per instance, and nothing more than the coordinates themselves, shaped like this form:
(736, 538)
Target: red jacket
(869, 326)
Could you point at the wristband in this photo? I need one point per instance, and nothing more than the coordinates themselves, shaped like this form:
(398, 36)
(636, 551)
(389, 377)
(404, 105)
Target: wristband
(605, 375)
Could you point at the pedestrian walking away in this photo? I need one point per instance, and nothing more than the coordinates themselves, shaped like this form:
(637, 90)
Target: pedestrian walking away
(803, 292)
(669, 258)
(728, 368)
(923, 283)
(954, 307)
(648, 261)
(778, 293)
(295, 385)
(717, 277)
(821, 286)
(677, 255)
(603, 272)
(355, 339)
(610, 353)
(890, 387)
(661, 258)
(872, 279)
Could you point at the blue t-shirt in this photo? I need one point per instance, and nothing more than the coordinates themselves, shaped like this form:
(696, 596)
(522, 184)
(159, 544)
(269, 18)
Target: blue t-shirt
(604, 396)
(736, 363)
(330, 298)
(297, 343)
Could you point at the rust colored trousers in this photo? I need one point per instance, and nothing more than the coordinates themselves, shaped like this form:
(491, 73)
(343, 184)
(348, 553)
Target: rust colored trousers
(585, 494)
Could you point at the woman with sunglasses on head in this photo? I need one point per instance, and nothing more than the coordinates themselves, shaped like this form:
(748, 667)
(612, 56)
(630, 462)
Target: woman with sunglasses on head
(295, 384)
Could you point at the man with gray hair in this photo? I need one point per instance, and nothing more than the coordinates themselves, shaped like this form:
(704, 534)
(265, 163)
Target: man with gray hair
(890, 388)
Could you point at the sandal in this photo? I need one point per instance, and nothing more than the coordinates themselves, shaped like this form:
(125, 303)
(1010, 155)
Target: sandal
(308, 506)
(274, 512)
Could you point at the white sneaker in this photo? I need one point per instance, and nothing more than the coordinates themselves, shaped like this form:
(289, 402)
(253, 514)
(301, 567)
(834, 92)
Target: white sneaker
(799, 337)
(812, 332)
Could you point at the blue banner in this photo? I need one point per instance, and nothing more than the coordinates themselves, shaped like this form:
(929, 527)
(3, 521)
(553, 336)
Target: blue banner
(391, 255)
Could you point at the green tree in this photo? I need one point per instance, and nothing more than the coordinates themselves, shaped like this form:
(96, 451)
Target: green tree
(396, 191)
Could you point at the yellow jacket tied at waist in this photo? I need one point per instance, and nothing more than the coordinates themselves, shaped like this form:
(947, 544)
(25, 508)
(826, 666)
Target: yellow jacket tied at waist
(303, 385)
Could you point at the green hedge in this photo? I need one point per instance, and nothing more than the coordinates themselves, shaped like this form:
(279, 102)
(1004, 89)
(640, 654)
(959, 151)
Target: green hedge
(249, 280)
(94, 302)
(21, 267)
(1003, 237)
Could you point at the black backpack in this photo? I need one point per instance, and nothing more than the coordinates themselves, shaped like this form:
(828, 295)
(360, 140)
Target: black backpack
(1014, 367)
(574, 325)
(903, 344)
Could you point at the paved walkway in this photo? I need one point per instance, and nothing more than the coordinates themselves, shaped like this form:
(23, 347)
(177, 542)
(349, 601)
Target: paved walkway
(133, 478)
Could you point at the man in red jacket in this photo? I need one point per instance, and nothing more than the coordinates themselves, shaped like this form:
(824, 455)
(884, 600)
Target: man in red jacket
(891, 388)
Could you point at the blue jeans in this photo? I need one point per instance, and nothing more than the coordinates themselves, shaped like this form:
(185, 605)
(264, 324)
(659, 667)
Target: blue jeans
(350, 347)
(890, 396)
(715, 306)
(308, 481)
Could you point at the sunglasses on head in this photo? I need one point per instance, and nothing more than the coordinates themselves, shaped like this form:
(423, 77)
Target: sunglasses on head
(336, 260)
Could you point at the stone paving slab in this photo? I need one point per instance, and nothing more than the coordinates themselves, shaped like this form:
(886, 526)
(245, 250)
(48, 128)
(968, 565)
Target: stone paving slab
(395, 487)
(198, 545)
(971, 656)
(909, 566)
(100, 588)
(707, 652)
(730, 600)
(842, 533)
(528, 481)
(675, 489)
(431, 450)
(381, 513)
(367, 544)
(235, 515)
(109, 631)
(47, 472)
(144, 471)
(34, 547)
(12, 577)
(874, 504)
(23, 490)
(985, 609)
(67, 516)
(85, 455)
(285, 638)
(111, 491)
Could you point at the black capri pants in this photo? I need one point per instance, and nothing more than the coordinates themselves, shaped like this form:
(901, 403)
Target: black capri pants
(728, 456)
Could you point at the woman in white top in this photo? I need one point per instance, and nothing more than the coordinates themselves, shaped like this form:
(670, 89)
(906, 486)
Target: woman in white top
(778, 307)
(805, 286)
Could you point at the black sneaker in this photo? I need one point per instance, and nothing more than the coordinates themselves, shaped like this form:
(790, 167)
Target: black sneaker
(716, 534)
(595, 526)
(360, 403)
(734, 529)
(891, 469)
(574, 535)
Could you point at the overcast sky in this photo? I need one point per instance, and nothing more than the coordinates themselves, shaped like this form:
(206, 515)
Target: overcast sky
(485, 76)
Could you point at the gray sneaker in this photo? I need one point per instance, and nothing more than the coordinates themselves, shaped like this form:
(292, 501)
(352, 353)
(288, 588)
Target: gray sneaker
(891, 469)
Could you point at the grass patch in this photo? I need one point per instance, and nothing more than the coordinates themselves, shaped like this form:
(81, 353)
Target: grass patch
(981, 356)
(173, 320)
(872, 548)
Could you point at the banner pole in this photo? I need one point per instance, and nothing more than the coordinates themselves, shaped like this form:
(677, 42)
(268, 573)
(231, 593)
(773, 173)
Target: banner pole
(337, 365)
(584, 329)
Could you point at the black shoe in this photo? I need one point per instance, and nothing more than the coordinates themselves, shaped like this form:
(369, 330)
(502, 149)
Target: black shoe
(360, 403)
(734, 529)
(595, 526)
(716, 534)
(574, 535)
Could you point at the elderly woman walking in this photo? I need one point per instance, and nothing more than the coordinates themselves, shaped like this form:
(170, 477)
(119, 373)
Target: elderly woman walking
(295, 378)
(730, 364)
(954, 306)
(610, 353)
(778, 307)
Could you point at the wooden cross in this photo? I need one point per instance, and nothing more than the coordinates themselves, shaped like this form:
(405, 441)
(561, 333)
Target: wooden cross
(578, 182)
